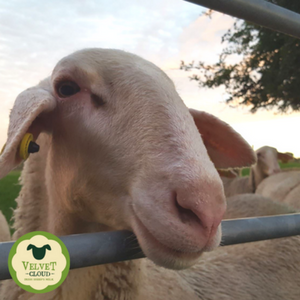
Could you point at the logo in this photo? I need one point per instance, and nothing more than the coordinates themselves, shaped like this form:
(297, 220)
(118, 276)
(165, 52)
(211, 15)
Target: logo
(38, 253)
(39, 262)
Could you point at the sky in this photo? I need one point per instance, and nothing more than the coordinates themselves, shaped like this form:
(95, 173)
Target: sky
(34, 35)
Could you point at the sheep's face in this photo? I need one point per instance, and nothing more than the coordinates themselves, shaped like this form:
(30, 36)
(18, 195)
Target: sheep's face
(137, 157)
(267, 161)
(127, 154)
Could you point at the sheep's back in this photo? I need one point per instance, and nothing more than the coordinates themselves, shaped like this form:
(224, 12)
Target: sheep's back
(253, 205)
(282, 187)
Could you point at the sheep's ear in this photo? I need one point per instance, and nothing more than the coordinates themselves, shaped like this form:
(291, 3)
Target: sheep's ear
(284, 157)
(30, 247)
(226, 148)
(228, 173)
(28, 115)
(47, 247)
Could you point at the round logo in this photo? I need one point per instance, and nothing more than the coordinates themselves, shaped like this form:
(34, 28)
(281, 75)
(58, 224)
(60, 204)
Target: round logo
(39, 262)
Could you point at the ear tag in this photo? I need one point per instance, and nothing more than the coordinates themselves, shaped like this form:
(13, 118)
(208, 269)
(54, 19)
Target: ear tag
(28, 146)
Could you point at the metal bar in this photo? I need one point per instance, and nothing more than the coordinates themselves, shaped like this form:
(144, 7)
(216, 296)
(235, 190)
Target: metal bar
(88, 249)
(259, 12)
(107, 247)
(248, 230)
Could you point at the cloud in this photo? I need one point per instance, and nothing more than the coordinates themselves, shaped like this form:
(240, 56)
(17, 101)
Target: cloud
(35, 35)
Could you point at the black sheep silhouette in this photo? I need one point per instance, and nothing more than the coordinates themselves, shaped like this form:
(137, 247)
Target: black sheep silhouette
(38, 253)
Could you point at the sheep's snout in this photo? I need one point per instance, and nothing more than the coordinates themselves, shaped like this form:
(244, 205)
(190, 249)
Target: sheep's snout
(273, 171)
(203, 217)
(174, 226)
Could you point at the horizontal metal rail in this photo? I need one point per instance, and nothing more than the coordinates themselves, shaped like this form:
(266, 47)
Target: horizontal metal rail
(259, 12)
(107, 247)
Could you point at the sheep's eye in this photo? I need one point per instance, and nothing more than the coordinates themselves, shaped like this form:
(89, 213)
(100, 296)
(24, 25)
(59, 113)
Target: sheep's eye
(67, 89)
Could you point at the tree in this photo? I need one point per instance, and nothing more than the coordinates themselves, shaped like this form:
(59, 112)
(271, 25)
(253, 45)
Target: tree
(267, 76)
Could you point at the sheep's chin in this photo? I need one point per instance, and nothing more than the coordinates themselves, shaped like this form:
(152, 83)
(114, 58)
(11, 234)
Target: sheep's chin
(161, 254)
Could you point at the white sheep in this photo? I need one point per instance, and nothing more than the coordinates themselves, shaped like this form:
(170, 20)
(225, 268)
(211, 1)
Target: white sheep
(254, 205)
(120, 150)
(4, 229)
(266, 165)
(290, 169)
(259, 270)
(283, 187)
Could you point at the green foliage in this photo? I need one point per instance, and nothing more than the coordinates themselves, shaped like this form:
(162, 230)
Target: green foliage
(269, 73)
(245, 171)
(290, 165)
(9, 191)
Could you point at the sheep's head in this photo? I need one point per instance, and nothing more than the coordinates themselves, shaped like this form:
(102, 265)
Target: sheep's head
(38, 252)
(267, 160)
(127, 152)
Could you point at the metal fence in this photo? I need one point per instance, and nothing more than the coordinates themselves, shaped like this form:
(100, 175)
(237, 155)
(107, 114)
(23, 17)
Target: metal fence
(259, 12)
(108, 247)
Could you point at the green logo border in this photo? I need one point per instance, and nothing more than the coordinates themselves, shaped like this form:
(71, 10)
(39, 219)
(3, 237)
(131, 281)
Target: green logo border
(13, 251)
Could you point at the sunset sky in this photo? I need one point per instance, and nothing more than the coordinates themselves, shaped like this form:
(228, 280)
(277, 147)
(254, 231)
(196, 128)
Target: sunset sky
(34, 35)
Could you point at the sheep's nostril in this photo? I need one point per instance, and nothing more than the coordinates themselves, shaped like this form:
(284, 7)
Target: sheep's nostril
(186, 216)
(201, 218)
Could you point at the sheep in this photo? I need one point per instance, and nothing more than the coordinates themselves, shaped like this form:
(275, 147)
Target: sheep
(254, 205)
(120, 150)
(290, 169)
(283, 187)
(4, 229)
(259, 270)
(267, 165)
(38, 252)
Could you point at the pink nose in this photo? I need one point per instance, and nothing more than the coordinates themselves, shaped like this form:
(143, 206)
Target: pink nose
(186, 218)
(203, 216)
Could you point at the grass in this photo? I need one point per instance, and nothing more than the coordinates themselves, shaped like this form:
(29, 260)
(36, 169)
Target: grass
(9, 191)
(245, 171)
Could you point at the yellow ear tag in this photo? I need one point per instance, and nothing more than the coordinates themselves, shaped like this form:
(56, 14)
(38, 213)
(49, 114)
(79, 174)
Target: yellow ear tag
(23, 152)
(28, 146)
